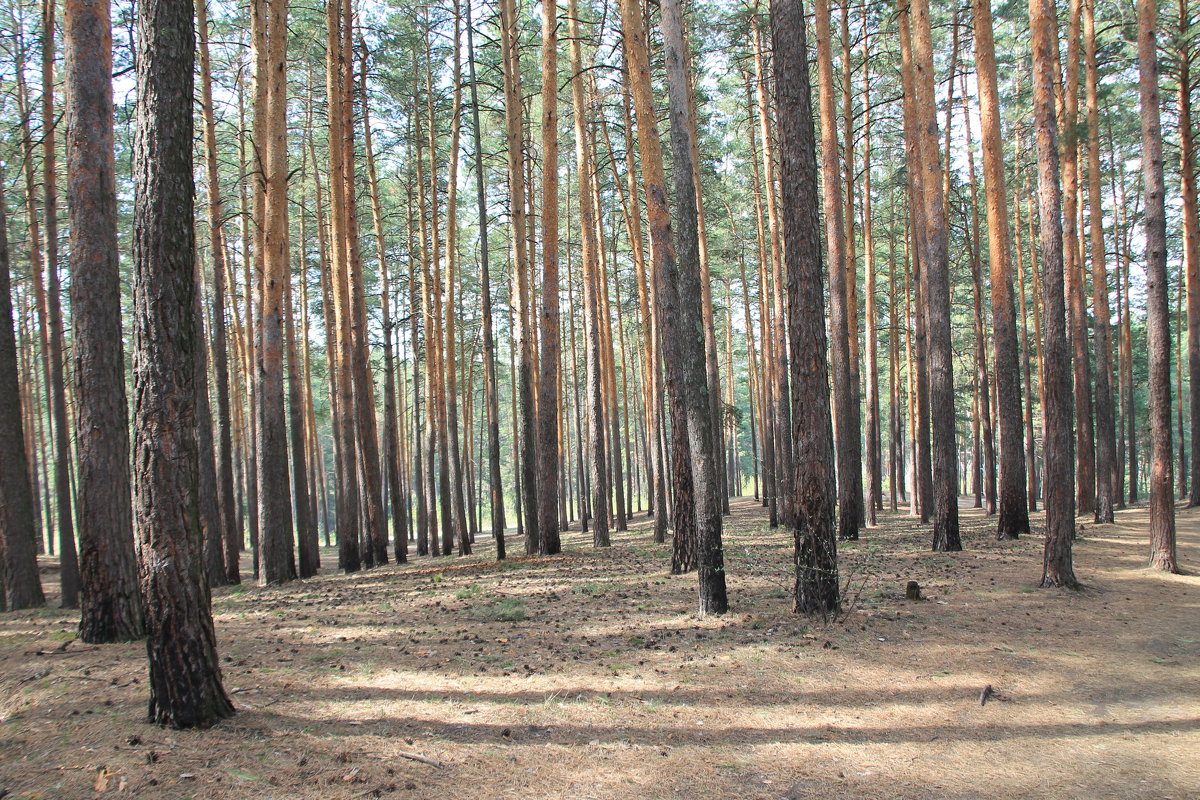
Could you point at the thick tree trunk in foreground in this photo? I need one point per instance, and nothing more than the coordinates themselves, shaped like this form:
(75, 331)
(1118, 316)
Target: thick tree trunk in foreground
(812, 508)
(1158, 329)
(111, 609)
(185, 681)
(1059, 447)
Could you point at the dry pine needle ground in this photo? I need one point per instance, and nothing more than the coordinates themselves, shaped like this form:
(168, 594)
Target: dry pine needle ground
(588, 676)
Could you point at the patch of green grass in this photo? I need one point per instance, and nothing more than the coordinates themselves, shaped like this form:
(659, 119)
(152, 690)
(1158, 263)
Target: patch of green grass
(466, 593)
(509, 610)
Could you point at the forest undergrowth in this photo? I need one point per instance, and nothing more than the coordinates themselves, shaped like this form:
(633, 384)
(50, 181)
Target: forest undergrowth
(588, 675)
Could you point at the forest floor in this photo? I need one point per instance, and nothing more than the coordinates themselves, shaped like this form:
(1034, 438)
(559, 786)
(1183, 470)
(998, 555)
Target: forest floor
(588, 675)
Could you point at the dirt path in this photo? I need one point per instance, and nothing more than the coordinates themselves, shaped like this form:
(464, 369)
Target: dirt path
(587, 676)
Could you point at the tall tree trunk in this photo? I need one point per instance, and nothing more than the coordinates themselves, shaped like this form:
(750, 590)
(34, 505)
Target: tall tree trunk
(922, 498)
(1085, 448)
(1014, 505)
(548, 327)
(812, 517)
(68, 561)
(874, 499)
(225, 494)
(367, 438)
(1191, 237)
(514, 139)
(20, 585)
(767, 406)
(211, 530)
(712, 371)
(1031, 482)
(689, 324)
(849, 454)
(1158, 329)
(306, 522)
(1106, 435)
(779, 356)
(185, 680)
(454, 451)
(491, 395)
(593, 285)
(69, 569)
(341, 350)
(275, 521)
(112, 609)
(391, 437)
(1059, 445)
(851, 269)
(981, 366)
(935, 285)
(895, 425)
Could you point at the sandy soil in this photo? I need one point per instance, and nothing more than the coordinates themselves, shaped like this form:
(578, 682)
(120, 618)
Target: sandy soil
(589, 676)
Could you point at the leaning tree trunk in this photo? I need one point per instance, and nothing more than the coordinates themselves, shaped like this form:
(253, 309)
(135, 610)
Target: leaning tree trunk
(185, 680)
(111, 608)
